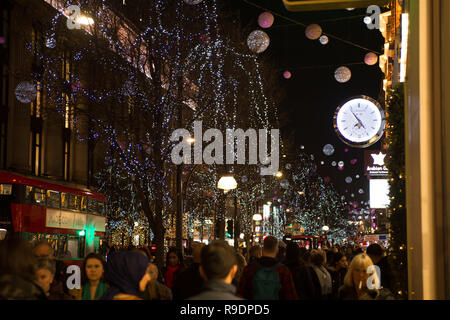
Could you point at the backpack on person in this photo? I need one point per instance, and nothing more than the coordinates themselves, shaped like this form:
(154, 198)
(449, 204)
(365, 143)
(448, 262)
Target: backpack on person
(266, 282)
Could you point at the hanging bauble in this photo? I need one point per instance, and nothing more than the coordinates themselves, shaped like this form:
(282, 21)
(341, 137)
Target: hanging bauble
(357, 176)
(26, 92)
(353, 161)
(50, 42)
(284, 183)
(288, 166)
(323, 39)
(244, 179)
(328, 149)
(348, 179)
(287, 74)
(258, 41)
(265, 20)
(193, 2)
(333, 163)
(361, 191)
(302, 147)
(370, 59)
(313, 31)
(342, 74)
(341, 163)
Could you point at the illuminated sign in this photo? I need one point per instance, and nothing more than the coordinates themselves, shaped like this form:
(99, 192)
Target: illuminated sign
(374, 163)
(379, 193)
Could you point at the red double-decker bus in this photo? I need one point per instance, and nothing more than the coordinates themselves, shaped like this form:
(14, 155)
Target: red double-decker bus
(72, 220)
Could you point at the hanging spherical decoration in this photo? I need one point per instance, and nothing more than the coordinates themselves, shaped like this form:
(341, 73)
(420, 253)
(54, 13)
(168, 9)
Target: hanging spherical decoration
(328, 149)
(353, 161)
(348, 179)
(287, 74)
(357, 176)
(313, 31)
(26, 92)
(333, 163)
(302, 147)
(341, 168)
(193, 2)
(288, 166)
(352, 195)
(50, 42)
(361, 191)
(370, 59)
(265, 20)
(323, 39)
(341, 163)
(244, 179)
(284, 183)
(343, 198)
(258, 41)
(342, 74)
(322, 162)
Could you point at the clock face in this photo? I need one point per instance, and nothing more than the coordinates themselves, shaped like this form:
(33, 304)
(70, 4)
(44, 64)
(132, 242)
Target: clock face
(359, 122)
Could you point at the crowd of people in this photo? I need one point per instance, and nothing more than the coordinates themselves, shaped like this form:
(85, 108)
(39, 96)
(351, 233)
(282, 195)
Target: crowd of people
(273, 271)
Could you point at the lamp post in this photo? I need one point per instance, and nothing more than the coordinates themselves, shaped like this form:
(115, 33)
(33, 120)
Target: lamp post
(227, 183)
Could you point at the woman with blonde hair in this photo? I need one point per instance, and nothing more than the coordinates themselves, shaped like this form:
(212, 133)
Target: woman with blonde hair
(362, 281)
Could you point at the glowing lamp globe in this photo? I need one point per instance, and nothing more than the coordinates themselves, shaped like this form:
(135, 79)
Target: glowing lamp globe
(258, 41)
(342, 74)
(370, 59)
(323, 39)
(287, 74)
(313, 31)
(325, 228)
(265, 20)
(227, 183)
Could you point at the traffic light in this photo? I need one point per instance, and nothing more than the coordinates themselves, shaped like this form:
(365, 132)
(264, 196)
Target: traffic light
(229, 232)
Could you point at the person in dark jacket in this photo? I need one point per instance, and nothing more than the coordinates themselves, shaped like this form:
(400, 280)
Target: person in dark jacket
(300, 272)
(189, 282)
(218, 267)
(127, 275)
(379, 258)
(155, 289)
(270, 250)
(360, 282)
(17, 271)
(58, 288)
(320, 276)
(337, 269)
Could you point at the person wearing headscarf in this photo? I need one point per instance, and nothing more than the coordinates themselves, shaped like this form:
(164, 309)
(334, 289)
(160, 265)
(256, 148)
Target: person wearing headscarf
(127, 275)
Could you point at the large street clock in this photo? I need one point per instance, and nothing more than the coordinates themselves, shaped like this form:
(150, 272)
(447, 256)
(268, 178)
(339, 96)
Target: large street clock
(359, 122)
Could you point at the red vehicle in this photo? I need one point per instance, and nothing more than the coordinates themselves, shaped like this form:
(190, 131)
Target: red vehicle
(309, 242)
(72, 220)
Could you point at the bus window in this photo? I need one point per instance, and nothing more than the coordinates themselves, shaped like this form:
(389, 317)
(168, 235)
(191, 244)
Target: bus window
(83, 203)
(101, 208)
(53, 199)
(39, 196)
(29, 195)
(5, 189)
(64, 200)
(92, 205)
(74, 202)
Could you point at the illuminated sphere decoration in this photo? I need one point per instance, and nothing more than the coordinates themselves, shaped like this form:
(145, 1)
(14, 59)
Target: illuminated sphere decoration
(342, 74)
(287, 74)
(26, 92)
(313, 31)
(341, 163)
(50, 42)
(370, 59)
(284, 183)
(348, 179)
(361, 191)
(333, 163)
(328, 149)
(323, 39)
(244, 179)
(258, 41)
(265, 20)
(193, 2)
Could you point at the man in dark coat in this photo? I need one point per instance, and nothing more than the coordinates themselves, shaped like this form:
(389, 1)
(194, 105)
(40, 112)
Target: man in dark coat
(189, 283)
(218, 267)
(379, 258)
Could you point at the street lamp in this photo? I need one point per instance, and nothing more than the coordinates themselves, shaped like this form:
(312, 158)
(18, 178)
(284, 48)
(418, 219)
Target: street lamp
(325, 228)
(227, 183)
(279, 174)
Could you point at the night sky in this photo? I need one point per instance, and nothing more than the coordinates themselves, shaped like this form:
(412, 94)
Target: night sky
(312, 93)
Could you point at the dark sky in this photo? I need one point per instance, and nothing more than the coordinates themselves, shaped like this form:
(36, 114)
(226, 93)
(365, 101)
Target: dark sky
(312, 93)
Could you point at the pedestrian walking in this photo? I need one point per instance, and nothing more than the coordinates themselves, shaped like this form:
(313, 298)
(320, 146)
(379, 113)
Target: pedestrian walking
(267, 279)
(189, 282)
(173, 268)
(218, 267)
(320, 275)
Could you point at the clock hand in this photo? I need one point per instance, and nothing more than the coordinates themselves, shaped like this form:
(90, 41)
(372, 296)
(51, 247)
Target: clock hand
(359, 121)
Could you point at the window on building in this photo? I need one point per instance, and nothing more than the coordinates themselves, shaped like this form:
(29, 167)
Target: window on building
(64, 200)
(39, 196)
